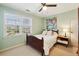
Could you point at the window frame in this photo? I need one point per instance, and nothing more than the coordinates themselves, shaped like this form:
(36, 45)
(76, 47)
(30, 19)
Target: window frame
(20, 26)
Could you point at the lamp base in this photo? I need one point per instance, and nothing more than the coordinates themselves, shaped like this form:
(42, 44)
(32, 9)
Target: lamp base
(65, 35)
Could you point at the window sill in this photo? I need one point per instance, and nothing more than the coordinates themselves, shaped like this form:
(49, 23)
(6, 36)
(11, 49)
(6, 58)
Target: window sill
(13, 35)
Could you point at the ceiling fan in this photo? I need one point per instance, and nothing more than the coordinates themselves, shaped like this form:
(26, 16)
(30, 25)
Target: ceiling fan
(44, 6)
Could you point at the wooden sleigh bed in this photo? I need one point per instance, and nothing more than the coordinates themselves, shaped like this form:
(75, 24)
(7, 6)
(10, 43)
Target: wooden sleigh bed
(36, 43)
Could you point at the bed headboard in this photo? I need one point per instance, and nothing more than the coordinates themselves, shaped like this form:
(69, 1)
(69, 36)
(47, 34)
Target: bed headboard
(57, 31)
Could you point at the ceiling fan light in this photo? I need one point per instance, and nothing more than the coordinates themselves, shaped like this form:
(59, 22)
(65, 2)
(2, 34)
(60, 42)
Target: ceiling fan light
(44, 8)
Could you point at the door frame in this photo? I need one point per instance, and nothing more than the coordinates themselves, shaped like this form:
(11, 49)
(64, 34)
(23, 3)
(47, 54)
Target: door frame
(78, 32)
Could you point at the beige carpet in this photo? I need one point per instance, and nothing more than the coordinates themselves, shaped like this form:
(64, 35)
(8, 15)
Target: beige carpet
(21, 51)
(60, 50)
(29, 51)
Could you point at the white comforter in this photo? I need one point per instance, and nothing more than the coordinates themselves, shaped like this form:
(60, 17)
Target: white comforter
(49, 41)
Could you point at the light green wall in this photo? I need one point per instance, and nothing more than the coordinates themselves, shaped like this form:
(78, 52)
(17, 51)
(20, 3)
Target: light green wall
(37, 23)
(69, 18)
(1, 27)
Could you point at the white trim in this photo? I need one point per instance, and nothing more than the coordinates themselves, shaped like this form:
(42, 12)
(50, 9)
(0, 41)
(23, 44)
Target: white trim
(12, 47)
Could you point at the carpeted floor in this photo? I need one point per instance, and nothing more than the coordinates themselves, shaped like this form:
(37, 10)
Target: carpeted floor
(60, 50)
(29, 51)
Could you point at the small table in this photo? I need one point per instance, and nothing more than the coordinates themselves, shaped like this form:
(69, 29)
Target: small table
(63, 40)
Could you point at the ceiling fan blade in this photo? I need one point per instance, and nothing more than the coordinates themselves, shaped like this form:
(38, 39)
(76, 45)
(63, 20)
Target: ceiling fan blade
(43, 4)
(51, 5)
(40, 9)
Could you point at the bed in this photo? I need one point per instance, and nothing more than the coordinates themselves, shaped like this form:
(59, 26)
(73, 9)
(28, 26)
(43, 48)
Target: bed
(42, 42)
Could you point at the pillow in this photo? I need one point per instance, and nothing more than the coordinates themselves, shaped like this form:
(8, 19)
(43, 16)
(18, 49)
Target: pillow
(55, 34)
(49, 33)
(44, 32)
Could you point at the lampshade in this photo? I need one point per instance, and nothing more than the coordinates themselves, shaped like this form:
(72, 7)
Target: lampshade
(65, 30)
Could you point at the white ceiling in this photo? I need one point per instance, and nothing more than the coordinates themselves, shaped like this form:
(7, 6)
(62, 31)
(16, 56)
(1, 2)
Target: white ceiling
(34, 7)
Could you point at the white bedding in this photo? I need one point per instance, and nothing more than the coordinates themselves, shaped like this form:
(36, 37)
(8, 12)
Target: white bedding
(49, 41)
(40, 36)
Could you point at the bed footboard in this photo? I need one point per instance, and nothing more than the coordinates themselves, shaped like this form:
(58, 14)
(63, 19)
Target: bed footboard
(35, 43)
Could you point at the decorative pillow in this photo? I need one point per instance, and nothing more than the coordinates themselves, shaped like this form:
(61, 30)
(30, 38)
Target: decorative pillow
(49, 33)
(54, 33)
(44, 32)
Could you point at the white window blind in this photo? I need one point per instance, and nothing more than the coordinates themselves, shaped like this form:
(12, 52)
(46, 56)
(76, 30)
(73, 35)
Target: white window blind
(15, 23)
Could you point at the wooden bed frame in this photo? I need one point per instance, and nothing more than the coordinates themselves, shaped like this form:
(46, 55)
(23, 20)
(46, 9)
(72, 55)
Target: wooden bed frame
(36, 42)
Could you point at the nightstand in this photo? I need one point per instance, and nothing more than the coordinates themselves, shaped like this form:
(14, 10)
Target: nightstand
(63, 40)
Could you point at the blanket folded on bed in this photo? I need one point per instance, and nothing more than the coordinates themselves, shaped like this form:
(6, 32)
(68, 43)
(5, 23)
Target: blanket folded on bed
(49, 41)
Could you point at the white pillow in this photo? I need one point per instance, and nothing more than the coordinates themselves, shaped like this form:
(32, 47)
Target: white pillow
(44, 32)
(49, 33)
(54, 33)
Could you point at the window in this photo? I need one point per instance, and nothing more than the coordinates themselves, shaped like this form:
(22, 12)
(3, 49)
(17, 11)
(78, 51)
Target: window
(27, 25)
(14, 24)
(11, 29)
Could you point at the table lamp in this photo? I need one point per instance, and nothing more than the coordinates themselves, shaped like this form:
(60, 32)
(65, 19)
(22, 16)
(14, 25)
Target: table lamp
(65, 30)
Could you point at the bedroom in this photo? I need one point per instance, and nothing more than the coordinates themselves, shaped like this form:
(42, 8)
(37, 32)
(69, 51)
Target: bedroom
(26, 18)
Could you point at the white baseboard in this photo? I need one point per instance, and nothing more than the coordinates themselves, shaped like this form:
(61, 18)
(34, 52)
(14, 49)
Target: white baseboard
(12, 47)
